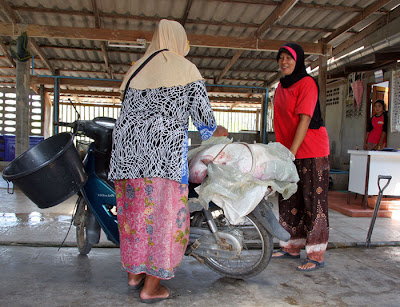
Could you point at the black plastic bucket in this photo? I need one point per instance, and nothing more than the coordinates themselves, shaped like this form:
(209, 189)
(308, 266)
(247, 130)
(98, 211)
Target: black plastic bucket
(49, 172)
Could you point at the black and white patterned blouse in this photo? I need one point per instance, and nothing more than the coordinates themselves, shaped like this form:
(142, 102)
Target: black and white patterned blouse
(150, 137)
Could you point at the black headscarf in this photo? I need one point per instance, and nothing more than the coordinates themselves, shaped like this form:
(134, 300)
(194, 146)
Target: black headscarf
(299, 72)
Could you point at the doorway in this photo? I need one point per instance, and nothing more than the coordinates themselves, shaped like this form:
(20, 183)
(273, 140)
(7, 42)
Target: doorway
(376, 91)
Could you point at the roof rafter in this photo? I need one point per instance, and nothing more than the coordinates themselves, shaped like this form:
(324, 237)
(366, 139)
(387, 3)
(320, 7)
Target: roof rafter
(230, 42)
(102, 44)
(191, 21)
(41, 54)
(276, 15)
(139, 53)
(187, 10)
(7, 54)
(303, 5)
(373, 27)
(369, 10)
(14, 18)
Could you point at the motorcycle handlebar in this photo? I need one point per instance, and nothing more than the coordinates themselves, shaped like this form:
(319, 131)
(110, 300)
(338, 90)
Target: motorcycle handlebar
(63, 124)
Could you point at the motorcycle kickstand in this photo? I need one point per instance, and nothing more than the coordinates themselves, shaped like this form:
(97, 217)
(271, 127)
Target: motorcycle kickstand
(201, 260)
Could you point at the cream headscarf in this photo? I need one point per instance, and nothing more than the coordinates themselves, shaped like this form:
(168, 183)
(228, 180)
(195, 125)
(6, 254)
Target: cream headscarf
(169, 68)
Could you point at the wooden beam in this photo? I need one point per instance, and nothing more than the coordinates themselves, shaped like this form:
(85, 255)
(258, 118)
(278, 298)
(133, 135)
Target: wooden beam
(96, 14)
(328, 7)
(109, 71)
(102, 44)
(187, 10)
(14, 18)
(98, 83)
(229, 65)
(9, 12)
(139, 53)
(7, 54)
(42, 55)
(372, 28)
(129, 65)
(230, 42)
(369, 10)
(276, 15)
(302, 5)
(189, 21)
(34, 87)
(90, 71)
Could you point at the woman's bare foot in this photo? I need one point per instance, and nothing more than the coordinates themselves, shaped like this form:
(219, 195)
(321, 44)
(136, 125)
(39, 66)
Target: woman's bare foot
(135, 279)
(153, 289)
(158, 292)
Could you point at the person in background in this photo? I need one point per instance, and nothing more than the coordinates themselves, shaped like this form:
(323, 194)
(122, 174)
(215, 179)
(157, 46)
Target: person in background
(375, 139)
(149, 159)
(299, 126)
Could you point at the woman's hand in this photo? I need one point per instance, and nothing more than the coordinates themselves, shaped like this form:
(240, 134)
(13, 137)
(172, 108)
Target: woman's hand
(220, 131)
(301, 132)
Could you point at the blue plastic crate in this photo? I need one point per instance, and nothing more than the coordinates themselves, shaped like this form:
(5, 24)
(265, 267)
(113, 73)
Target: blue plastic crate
(1, 148)
(9, 145)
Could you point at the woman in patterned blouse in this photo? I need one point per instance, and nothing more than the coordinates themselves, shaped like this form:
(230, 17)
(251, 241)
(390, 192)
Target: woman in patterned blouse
(149, 159)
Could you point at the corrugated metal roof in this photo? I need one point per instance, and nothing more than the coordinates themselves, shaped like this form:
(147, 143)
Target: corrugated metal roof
(306, 22)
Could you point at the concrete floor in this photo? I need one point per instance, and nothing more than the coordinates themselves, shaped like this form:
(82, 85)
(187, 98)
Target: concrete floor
(35, 273)
(44, 276)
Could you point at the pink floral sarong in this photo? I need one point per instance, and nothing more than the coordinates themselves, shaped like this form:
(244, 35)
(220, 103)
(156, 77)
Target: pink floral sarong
(154, 222)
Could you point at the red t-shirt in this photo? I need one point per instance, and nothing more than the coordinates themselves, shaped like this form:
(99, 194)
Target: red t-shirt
(378, 124)
(289, 103)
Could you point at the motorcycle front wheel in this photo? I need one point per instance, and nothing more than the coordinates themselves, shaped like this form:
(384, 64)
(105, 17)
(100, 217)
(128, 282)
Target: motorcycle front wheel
(257, 247)
(80, 221)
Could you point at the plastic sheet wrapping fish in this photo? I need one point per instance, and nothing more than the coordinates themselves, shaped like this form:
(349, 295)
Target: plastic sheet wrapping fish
(237, 176)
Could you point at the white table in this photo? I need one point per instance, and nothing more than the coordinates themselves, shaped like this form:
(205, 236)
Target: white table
(365, 166)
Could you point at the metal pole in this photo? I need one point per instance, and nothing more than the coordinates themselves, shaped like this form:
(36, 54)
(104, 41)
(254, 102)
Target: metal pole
(265, 127)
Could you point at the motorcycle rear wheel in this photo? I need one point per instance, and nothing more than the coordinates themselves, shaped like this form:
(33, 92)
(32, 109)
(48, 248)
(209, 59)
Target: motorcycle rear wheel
(257, 247)
(80, 220)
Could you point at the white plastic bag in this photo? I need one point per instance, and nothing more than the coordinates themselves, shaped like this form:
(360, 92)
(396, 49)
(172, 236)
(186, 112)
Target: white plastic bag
(239, 193)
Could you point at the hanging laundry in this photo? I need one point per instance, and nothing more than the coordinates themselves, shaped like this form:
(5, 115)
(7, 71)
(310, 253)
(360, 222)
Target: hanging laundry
(358, 90)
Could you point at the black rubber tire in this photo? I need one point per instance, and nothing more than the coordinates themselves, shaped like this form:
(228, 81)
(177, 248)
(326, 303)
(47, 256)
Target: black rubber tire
(80, 218)
(267, 244)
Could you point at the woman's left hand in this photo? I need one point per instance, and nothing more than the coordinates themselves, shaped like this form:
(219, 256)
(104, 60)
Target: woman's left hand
(220, 131)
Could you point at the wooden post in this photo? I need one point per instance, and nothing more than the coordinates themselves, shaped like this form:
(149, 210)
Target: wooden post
(22, 113)
(323, 70)
(42, 107)
(56, 107)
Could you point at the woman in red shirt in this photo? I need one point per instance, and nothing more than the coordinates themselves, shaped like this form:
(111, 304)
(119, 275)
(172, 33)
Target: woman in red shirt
(377, 128)
(299, 126)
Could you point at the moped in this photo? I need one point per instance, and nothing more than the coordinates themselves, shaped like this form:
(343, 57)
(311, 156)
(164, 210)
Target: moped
(236, 251)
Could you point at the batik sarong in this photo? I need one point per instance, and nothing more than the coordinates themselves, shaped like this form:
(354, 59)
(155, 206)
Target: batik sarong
(305, 214)
(154, 222)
